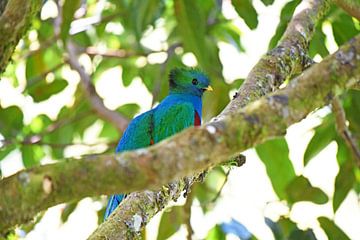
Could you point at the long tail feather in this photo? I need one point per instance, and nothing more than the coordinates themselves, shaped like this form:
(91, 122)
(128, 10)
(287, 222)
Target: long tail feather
(114, 201)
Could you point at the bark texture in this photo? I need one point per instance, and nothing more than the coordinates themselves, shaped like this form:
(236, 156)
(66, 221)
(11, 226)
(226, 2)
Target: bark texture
(289, 58)
(15, 19)
(32, 190)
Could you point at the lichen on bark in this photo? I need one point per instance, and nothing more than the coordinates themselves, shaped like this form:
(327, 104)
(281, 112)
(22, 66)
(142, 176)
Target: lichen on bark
(15, 19)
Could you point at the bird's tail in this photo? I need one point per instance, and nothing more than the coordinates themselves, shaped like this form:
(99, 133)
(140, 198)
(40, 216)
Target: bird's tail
(114, 201)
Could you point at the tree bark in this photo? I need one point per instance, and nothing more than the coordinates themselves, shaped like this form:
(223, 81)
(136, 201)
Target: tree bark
(30, 191)
(15, 19)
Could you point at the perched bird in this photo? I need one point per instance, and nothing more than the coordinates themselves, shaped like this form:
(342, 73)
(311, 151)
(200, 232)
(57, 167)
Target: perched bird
(179, 110)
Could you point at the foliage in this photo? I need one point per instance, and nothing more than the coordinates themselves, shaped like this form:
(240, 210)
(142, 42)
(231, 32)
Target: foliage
(196, 27)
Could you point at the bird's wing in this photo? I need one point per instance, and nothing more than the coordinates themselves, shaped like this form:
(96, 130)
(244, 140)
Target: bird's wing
(172, 119)
(138, 133)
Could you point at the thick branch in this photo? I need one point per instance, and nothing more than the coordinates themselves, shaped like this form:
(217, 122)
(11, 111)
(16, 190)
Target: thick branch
(97, 104)
(287, 59)
(352, 7)
(32, 190)
(14, 22)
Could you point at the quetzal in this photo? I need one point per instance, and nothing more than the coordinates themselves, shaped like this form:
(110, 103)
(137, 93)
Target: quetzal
(180, 109)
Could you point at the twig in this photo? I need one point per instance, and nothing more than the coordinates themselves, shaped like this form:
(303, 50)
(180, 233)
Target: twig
(97, 104)
(187, 213)
(343, 130)
(36, 79)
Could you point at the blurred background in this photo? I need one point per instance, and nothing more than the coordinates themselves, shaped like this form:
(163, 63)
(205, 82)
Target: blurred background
(303, 186)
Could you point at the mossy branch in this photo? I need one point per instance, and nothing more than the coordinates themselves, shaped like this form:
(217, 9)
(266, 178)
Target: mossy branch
(15, 19)
(284, 61)
(30, 191)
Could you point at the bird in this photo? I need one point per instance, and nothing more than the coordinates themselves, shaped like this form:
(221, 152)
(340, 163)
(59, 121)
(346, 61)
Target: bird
(181, 109)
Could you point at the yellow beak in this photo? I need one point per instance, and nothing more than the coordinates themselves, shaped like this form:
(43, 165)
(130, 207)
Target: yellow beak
(209, 88)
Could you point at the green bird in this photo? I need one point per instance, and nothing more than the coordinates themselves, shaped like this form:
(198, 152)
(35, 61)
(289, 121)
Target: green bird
(180, 109)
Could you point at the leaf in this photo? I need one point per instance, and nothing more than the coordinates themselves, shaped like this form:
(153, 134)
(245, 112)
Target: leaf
(191, 24)
(286, 14)
(247, 12)
(43, 90)
(302, 235)
(11, 121)
(69, 208)
(35, 66)
(229, 33)
(170, 222)
(109, 131)
(317, 43)
(4, 151)
(275, 155)
(129, 110)
(275, 228)
(324, 134)
(216, 233)
(267, 2)
(236, 228)
(343, 28)
(68, 11)
(31, 155)
(144, 13)
(345, 179)
(300, 189)
(332, 231)
(351, 104)
(208, 190)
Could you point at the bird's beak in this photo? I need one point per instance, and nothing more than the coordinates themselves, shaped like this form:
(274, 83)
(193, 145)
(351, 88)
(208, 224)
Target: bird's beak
(209, 88)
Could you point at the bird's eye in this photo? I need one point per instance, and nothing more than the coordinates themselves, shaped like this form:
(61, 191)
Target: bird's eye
(195, 81)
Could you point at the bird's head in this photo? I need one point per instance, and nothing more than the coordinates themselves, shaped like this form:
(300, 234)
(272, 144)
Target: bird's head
(189, 81)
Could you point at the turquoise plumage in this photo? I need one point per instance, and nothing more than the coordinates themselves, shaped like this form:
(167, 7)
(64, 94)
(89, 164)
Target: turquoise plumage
(180, 109)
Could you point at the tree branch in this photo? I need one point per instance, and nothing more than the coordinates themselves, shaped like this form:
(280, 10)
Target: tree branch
(286, 60)
(343, 130)
(116, 119)
(25, 193)
(352, 7)
(14, 22)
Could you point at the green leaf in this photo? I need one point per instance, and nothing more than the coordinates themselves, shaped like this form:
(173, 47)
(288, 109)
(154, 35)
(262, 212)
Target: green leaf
(324, 134)
(286, 14)
(317, 44)
(31, 155)
(129, 110)
(69, 208)
(191, 23)
(4, 151)
(208, 190)
(267, 2)
(351, 104)
(229, 33)
(43, 90)
(332, 231)
(11, 121)
(68, 11)
(35, 66)
(275, 155)
(216, 233)
(247, 12)
(345, 179)
(144, 13)
(300, 189)
(109, 131)
(302, 235)
(170, 222)
(343, 28)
